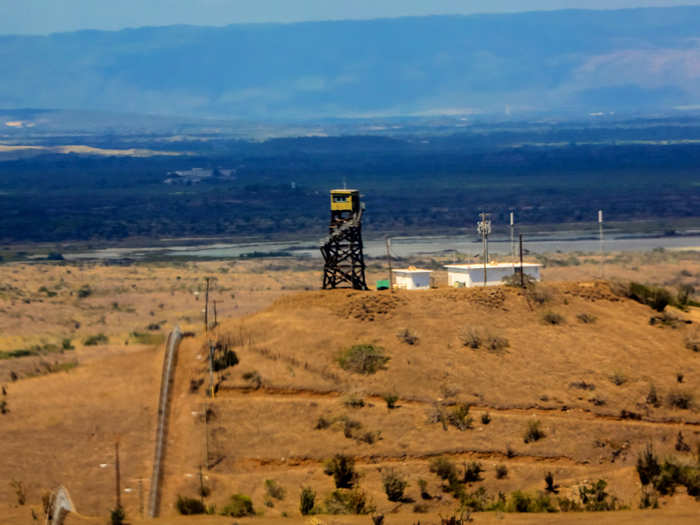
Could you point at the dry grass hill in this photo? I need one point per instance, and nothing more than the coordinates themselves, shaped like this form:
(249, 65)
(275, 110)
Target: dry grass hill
(469, 373)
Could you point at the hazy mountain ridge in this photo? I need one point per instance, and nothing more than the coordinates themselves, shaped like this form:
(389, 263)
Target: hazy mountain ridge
(642, 59)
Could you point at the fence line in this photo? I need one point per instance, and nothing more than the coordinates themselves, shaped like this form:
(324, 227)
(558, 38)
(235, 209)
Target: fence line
(169, 361)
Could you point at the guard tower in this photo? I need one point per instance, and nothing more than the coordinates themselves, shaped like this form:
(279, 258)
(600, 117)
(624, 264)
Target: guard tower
(342, 249)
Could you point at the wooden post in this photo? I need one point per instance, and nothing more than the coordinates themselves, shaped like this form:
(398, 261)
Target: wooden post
(216, 323)
(141, 497)
(117, 476)
(206, 306)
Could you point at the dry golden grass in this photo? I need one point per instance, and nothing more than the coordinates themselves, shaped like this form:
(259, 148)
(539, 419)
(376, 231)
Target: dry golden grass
(61, 427)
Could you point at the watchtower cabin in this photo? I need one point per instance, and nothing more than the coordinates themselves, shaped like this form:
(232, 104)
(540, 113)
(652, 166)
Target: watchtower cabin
(342, 249)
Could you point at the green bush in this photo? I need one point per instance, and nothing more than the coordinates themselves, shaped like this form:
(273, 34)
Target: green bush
(394, 485)
(94, 340)
(390, 400)
(594, 498)
(618, 378)
(354, 402)
(485, 418)
(586, 318)
(239, 506)
(189, 506)
(655, 297)
(680, 399)
(226, 358)
(459, 417)
(307, 499)
(117, 516)
(501, 472)
(67, 344)
(363, 359)
(533, 432)
(342, 468)
(274, 490)
(472, 472)
(348, 501)
(522, 502)
(408, 337)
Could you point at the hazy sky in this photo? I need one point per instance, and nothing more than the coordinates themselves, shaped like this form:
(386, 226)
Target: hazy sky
(47, 16)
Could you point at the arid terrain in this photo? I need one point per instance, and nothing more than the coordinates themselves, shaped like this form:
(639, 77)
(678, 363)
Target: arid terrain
(574, 357)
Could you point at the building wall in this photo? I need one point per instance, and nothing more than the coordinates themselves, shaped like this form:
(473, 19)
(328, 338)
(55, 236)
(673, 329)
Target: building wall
(412, 281)
(475, 276)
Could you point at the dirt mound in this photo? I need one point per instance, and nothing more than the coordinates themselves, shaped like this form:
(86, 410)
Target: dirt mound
(487, 297)
(591, 291)
(370, 307)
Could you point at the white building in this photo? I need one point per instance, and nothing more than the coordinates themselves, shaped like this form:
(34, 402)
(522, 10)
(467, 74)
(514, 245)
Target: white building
(412, 279)
(469, 275)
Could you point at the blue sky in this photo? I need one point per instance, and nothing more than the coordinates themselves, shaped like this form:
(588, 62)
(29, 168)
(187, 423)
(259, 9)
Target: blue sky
(47, 16)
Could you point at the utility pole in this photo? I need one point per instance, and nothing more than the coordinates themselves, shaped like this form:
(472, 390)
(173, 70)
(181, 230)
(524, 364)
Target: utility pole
(522, 273)
(600, 236)
(512, 231)
(206, 306)
(141, 497)
(216, 322)
(484, 229)
(117, 476)
(388, 258)
(211, 369)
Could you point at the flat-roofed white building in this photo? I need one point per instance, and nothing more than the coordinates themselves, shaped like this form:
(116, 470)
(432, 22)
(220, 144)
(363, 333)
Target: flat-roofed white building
(412, 278)
(469, 275)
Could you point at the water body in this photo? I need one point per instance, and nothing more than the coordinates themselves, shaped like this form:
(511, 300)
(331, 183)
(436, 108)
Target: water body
(544, 242)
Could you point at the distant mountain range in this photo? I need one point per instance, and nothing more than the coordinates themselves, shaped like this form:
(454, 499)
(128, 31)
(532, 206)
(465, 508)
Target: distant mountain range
(571, 61)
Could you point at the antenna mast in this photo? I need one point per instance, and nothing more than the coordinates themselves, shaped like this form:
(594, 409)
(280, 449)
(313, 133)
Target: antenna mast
(600, 236)
(484, 229)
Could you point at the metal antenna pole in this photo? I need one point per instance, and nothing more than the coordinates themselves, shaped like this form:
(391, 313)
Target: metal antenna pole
(388, 258)
(522, 273)
(211, 369)
(484, 228)
(600, 236)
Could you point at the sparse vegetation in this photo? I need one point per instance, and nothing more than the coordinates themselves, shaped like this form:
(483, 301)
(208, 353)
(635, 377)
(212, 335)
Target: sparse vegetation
(475, 339)
(459, 417)
(307, 500)
(94, 340)
(394, 485)
(238, 506)
(84, 291)
(348, 501)
(533, 432)
(342, 468)
(680, 399)
(618, 378)
(20, 494)
(189, 506)
(390, 400)
(472, 472)
(354, 402)
(586, 318)
(117, 516)
(653, 397)
(485, 418)
(363, 359)
(408, 337)
(550, 486)
(253, 378)
(423, 487)
(655, 297)
(692, 340)
(594, 497)
(501, 472)
(274, 489)
(552, 318)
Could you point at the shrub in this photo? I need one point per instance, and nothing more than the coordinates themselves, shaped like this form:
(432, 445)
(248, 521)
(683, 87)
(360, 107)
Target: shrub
(681, 445)
(323, 423)
(67, 344)
(408, 337)
(445, 469)
(680, 399)
(423, 486)
(618, 378)
(472, 472)
(307, 499)
(485, 418)
(21, 495)
(239, 506)
(586, 318)
(94, 340)
(84, 291)
(3, 407)
(420, 508)
(533, 432)
(253, 379)
(501, 472)
(350, 426)
(649, 499)
(394, 485)
(552, 318)
(472, 339)
(653, 398)
(274, 490)
(117, 516)
(390, 400)
(342, 468)
(189, 506)
(225, 359)
(363, 359)
(692, 341)
(459, 417)
(346, 501)
(655, 297)
(476, 501)
(519, 502)
(594, 498)
(354, 402)
(550, 486)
